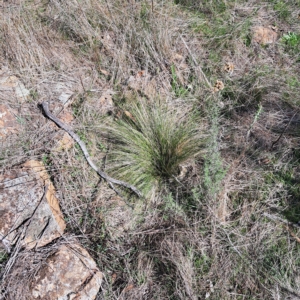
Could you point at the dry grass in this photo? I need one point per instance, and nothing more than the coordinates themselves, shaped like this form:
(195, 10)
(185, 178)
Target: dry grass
(208, 237)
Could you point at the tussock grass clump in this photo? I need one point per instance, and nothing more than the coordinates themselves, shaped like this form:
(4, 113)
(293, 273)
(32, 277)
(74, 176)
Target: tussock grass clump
(150, 144)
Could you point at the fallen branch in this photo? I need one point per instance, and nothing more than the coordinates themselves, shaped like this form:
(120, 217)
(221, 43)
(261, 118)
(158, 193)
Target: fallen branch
(277, 218)
(286, 224)
(81, 144)
(292, 233)
(284, 130)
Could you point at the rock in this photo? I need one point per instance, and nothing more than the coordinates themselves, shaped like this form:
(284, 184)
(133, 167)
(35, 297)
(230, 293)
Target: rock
(21, 92)
(264, 35)
(63, 91)
(69, 273)
(102, 103)
(8, 82)
(8, 121)
(64, 141)
(12, 83)
(29, 209)
(65, 96)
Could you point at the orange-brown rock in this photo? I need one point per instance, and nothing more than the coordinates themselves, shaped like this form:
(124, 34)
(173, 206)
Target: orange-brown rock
(264, 35)
(29, 210)
(8, 121)
(69, 273)
(64, 141)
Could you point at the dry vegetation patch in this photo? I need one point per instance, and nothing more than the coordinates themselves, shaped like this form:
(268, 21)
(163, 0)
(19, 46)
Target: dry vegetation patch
(224, 225)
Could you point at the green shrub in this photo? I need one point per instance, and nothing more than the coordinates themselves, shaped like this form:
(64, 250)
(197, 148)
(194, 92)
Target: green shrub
(151, 143)
(291, 41)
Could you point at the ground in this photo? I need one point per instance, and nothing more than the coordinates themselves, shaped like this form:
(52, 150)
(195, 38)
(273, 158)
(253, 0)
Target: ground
(224, 222)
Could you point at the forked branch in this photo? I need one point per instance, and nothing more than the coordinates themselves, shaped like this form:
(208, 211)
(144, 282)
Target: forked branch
(81, 144)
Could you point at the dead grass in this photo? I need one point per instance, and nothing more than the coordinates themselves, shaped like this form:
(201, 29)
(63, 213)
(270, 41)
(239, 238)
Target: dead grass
(208, 238)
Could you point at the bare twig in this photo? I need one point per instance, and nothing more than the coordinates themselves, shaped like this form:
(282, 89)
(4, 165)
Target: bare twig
(286, 224)
(277, 218)
(81, 144)
(284, 130)
(254, 121)
(291, 233)
(202, 75)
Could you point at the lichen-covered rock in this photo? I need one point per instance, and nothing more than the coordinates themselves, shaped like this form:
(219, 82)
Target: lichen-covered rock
(29, 210)
(10, 83)
(63, 91)
(69, 273)
(8, 121)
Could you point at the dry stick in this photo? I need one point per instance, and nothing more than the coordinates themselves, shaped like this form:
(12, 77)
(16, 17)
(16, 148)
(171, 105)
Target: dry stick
(284, 130)
(286, 224)
(277, 218)
(81, 144)
(291, 233)
(254, 121)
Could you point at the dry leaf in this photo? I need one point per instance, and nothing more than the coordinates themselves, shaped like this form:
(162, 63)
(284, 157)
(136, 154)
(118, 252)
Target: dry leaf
(66, 117)
(177, 57)
(104, 72)
(128, 288)
(229, 67)
(219, 85)
(265, 161)
(129, 115)
(141, 73)
(113, 278)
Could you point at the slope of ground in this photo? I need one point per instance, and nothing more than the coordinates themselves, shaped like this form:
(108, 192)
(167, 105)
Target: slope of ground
(222, 223)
